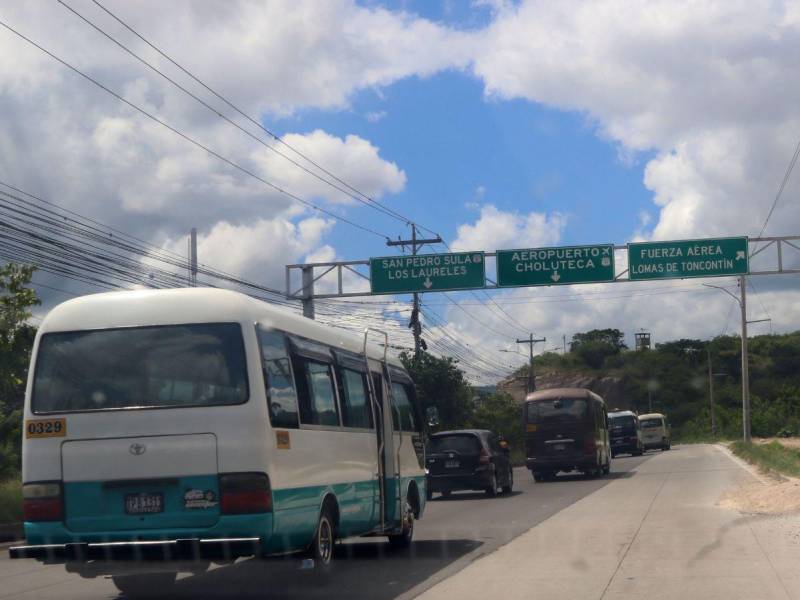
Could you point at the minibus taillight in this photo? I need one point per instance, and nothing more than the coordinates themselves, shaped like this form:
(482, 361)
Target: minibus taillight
(42, 501)
(590, 445)
(244, 493)
(484, 458)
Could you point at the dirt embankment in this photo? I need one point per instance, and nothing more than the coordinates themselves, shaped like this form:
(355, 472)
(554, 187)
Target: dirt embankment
(776, 494)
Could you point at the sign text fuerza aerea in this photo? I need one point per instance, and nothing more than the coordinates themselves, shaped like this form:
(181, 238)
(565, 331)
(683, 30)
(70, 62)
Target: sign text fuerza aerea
(700, 257)
(445, 265)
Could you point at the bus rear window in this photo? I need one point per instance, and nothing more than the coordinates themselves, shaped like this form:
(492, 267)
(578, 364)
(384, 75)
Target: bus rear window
(140, 367)
(650, 423)
(557, 410)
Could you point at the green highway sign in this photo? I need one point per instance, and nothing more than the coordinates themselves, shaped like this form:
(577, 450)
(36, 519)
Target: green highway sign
(427, 272)
(688, 258)
(555, 266)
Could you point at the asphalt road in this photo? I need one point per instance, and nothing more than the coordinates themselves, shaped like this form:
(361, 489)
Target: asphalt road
(453, 533)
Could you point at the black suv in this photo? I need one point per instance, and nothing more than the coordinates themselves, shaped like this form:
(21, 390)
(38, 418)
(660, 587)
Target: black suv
(468, 459)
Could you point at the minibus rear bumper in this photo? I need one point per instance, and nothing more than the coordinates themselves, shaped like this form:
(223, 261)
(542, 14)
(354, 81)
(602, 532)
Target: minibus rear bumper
(162, 550)
(579, 462)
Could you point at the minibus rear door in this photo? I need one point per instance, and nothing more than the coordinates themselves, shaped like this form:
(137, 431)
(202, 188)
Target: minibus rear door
(134, 483)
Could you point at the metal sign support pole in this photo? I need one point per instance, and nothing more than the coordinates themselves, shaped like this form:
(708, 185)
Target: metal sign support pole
(745, 363)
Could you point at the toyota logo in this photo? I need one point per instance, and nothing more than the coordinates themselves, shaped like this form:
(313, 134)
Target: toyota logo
(137, 449)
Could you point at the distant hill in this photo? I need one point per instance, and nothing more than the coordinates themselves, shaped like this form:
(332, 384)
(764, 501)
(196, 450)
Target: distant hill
(674, 377)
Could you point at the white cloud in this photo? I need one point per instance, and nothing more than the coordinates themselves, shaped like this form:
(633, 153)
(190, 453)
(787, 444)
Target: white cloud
(697, 82)
(376, 116)
(352, 159)
(496, 229)
(70, 142)
(258, 251)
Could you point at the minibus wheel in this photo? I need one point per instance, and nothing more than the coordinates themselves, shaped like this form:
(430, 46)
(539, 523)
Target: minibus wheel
(403, 540)
(324, 540)
(145, 585)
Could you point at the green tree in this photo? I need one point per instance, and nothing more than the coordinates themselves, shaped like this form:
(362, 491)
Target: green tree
(499, 413)
(595, 346)
(16, 341)
(440, 383)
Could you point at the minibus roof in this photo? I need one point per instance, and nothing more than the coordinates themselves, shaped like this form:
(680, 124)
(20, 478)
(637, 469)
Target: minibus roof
(141, 308)
(555, 393)
(651, 416)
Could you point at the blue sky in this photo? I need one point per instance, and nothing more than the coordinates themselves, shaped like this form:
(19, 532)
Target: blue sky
(458, 148)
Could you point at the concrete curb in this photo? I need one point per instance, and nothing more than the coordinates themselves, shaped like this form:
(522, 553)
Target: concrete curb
(744, 464)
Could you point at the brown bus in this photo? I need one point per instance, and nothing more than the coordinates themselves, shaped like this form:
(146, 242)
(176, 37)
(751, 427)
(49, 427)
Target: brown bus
(566, 429)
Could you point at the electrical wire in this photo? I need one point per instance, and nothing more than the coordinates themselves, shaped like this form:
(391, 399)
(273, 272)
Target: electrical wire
(194, 142)
(355, 193)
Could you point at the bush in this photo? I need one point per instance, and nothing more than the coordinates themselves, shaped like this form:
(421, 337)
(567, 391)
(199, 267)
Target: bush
(11, 501)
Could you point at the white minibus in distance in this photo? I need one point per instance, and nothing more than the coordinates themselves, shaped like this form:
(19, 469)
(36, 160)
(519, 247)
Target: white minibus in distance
(168, 428)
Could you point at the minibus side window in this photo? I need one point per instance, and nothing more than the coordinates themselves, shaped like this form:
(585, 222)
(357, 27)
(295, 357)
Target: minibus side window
(355, 408)
(316, 391)
(277, 372)
(402, 400)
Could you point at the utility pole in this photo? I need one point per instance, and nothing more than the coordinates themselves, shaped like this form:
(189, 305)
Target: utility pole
(745, 363)
(531, 387)
(415, 324)
(564, 347)
(193, 257)
(742, 300)
(711, 394)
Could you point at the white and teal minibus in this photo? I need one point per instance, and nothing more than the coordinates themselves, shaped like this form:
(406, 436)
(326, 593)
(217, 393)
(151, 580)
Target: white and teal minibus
(165, 429)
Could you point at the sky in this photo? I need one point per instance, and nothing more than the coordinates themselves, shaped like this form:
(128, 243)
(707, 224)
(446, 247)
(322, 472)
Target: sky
(495, 124)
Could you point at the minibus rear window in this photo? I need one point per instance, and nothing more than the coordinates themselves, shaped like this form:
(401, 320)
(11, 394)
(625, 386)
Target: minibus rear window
(650, 423)
(140, 367)
(557, 410)
(626, 422)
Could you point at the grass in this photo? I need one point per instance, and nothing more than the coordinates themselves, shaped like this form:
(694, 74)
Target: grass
(11, 501)
(773, 456)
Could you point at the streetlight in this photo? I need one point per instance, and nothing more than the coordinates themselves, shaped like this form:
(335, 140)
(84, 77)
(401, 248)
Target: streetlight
(742, 301)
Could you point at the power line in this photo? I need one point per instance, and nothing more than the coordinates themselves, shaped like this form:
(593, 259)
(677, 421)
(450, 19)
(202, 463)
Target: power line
(191, 140)
(373, 205)
(505, 315)
(354, 193)
(782, 186)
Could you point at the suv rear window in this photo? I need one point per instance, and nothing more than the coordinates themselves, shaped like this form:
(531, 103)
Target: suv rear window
(557, 410)
(461, 443)
(140, 367)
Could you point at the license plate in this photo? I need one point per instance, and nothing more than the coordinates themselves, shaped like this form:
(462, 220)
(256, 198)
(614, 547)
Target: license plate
(559, 447)
(451, 464)
(137, 504)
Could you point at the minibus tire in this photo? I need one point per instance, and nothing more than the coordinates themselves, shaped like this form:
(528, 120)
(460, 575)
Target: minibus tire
(324, 541)
(146, 585)
(401, 541)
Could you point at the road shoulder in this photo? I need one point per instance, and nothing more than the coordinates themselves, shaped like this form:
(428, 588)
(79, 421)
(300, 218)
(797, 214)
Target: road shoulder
(658, 533)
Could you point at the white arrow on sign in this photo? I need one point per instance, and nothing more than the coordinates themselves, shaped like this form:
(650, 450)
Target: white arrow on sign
(740, 255)
(555, 276)
(427, 283)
